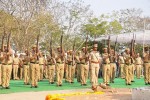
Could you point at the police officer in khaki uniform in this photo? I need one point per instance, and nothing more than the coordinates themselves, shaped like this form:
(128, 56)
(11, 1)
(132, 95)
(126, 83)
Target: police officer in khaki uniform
(106, 67)
(121, 66)
(21, 66)
(95, 65)
(1, 68)
(84, 63)
(51, 64)
(26, 68)
(66, 67)
(138, 63)
(71, 66)
(60, 58)
(15, 66)
(78, 67)
(6, 68)
(34, 67)
(146, 59)
(41, 65)
(128, 66)
(113, 66)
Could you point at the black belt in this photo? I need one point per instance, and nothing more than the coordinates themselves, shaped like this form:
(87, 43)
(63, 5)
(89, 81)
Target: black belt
(146, 62)
(41, 64)
(84, 63)
(59, 62)
(51, 64)
(128, 64)
(106, 63)
(7, 64)
(34, 63)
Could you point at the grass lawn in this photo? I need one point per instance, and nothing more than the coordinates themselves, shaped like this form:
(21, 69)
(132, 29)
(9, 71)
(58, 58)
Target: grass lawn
(18, 86)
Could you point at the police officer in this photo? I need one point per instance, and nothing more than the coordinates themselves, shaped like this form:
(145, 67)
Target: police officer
(106, 67)
(94, 65)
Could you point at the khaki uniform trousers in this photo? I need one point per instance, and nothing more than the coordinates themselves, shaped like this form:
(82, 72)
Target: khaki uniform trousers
(0, 74)
(112, 71)
(51, 73)
(128, 73)
(147, 72)
(84, 73)
(34, 69)
(71, 73)
(106, 73)
(21, 72)
(15, 71)
(133, 70)
(45, 72)
(121, 71)
(59, 73)
(26, 72)
(94, 74)
(66, 72)
(6, 75)
(138, 71)
(41, 71)
(78, 66)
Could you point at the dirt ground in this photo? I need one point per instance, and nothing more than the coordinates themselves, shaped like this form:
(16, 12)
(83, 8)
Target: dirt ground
(115, 94)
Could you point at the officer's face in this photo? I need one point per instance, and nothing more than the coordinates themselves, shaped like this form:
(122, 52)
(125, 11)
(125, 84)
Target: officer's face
(95, 48)
(105, 50)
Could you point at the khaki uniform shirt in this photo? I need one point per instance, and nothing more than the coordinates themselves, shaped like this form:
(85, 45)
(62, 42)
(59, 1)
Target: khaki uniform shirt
(16, 61)
(94, 56)
(59, 60)
(121, 60)
(41, 60)
(34, 60)
(82, 55)
(105, 57)
(127, 59)
(146, 57)
(138, 61)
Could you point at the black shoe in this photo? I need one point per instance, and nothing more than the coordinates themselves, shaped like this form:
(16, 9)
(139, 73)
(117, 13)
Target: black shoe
(129, 84)
(85, 84)
(72, 82)
(32, 87)
(28, 83)
(146, 83)
(52, 82)
(60, 85)
(36, 86)
(132, 81)
(8, 87)
(108, 84)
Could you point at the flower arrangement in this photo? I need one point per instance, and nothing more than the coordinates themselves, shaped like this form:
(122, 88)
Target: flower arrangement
(58, 96)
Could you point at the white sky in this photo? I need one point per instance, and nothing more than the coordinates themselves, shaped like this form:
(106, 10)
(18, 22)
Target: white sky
(107, 6)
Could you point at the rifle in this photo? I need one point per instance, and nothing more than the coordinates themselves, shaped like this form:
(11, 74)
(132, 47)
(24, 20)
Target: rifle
(51, 48)
(132, 49)
(109, 51)
(115, 45)
(73, 52)
(2, 45)
(8, 45)
(61, 44)
(37, 46)
(86, 47)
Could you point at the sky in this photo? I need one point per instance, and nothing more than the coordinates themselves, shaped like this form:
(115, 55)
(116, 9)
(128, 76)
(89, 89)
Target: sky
(107, 6)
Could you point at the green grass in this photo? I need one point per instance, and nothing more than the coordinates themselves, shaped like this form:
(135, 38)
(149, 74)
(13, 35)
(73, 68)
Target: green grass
(18, 86)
